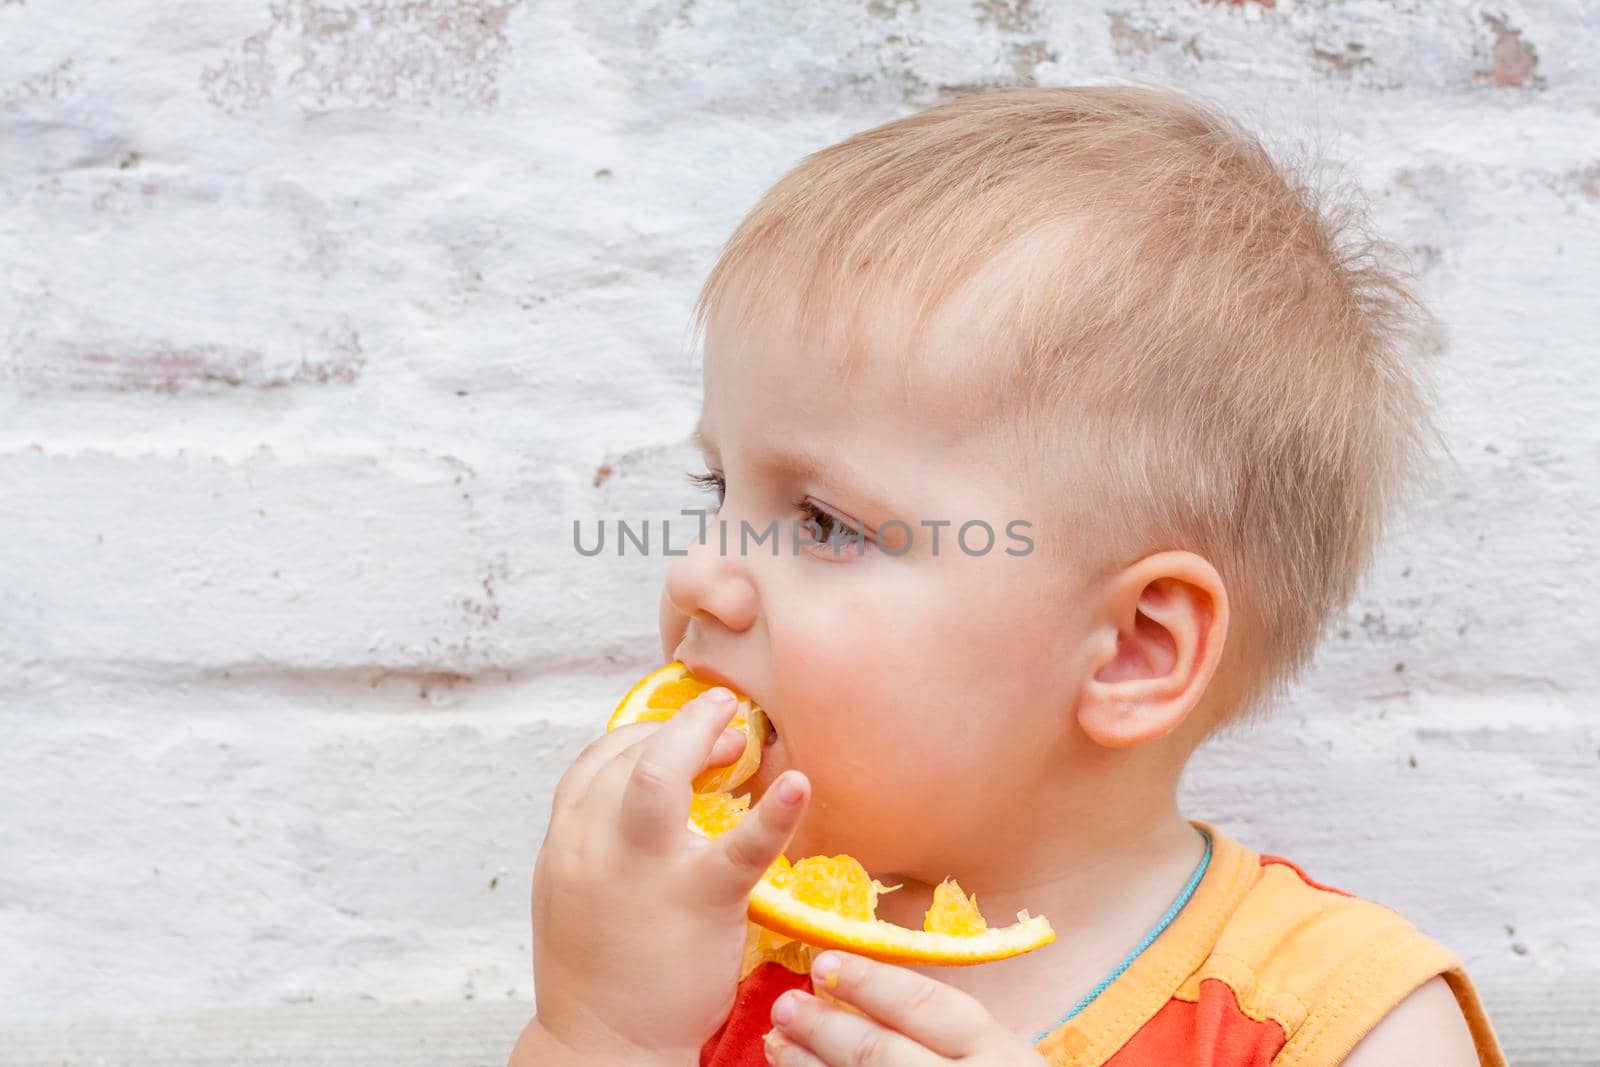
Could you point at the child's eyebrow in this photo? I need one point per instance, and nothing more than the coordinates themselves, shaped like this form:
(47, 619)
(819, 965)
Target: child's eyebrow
(790, 461)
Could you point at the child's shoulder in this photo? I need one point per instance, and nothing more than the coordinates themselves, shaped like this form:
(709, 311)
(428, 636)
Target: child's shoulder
(1263, 965)
(1323, 964)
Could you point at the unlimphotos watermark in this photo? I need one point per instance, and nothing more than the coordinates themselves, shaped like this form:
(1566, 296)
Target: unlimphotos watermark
(894, 537)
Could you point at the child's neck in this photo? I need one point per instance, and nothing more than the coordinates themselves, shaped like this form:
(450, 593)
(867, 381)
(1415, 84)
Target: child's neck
(1103, 882)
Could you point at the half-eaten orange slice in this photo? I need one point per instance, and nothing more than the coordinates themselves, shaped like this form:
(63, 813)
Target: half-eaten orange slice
(662, 692)
(823, 901)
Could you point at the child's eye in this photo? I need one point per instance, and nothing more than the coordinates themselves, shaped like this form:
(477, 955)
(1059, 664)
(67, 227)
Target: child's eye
(711, 482)
(834, 533)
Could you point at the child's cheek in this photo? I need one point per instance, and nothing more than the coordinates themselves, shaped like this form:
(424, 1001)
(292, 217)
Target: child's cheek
(868, 783)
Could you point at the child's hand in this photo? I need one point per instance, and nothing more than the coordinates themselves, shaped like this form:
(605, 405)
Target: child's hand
(910, 1020)
(638, 922)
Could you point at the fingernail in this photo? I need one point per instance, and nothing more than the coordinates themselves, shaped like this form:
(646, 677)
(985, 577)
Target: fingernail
(789, 790)
(771, 1044)
(827, 965)
(783, 1008)
(719, 695)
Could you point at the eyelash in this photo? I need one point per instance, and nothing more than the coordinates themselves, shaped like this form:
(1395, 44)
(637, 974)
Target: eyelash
(712, 482)
(708, 482)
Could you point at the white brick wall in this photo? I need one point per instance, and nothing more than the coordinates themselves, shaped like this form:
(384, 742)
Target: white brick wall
(322, 320)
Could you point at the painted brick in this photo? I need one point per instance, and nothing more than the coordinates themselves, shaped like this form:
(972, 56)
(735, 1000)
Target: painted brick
(321, 323)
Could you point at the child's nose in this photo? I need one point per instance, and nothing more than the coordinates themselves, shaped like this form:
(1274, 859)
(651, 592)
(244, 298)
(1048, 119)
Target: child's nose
(711, 585)
(673, 625)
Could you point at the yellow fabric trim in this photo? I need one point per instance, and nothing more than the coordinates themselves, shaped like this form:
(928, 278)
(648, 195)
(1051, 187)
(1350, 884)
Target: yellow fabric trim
(1289, 946)
(1373, 987)
(1132, 1000)
(1256, 1002)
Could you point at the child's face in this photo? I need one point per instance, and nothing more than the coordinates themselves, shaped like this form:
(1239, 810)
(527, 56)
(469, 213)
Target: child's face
(927, 695)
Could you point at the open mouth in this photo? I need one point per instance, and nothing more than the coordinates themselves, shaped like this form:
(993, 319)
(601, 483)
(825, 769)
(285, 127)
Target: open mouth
(707, 674)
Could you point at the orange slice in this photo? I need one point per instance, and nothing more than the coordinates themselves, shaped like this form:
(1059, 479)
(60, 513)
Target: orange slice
(661, 693)
(831, 902)
(817, 902)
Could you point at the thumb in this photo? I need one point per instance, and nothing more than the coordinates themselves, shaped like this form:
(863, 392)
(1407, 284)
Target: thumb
(740, 856)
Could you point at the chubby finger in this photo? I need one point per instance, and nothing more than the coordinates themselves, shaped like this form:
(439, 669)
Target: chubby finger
(934, 1015)
(725, 750)
(655, 799)
(783, 1053)
(729, 747)
(844, 1039)
(741, 855)
(574, 784)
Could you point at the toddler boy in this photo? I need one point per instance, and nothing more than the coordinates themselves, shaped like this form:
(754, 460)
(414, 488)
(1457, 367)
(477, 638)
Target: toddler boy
(1092, 418)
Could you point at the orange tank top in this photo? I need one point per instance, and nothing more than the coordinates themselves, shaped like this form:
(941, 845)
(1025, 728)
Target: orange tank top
(1260, 966)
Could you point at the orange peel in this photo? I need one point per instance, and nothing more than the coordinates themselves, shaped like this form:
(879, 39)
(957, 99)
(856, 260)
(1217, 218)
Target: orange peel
(798, 909)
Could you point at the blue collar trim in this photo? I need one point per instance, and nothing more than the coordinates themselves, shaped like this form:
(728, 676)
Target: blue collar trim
(1144, 943)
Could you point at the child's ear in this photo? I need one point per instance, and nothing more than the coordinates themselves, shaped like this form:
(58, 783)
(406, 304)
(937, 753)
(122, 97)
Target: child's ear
(1157, 644)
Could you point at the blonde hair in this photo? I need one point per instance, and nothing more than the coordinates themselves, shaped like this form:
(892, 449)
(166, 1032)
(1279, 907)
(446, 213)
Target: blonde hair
(1198, 355)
